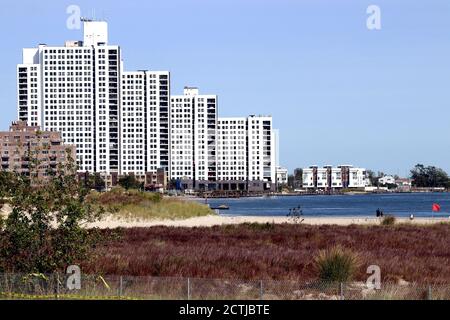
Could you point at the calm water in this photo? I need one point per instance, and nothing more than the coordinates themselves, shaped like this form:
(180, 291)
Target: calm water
(418, 204)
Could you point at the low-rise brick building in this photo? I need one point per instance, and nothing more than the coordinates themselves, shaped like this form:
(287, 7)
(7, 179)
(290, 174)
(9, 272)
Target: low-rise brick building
(29, 151)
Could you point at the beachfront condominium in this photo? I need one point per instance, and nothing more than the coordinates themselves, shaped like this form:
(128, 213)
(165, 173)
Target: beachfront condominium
(247, 152)
(74, 89)
(193, 138)
(239, 151)
(334, 178)
(127, 122)
(144, 115)
(232, 149)
(81, 91)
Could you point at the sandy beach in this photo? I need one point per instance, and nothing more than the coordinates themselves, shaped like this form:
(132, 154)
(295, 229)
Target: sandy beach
(209, 221)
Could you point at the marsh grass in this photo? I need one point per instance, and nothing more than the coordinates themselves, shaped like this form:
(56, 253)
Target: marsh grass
(414, 253)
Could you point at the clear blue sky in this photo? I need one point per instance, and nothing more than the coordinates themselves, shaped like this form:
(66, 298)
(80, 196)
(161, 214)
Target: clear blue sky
(338, 92)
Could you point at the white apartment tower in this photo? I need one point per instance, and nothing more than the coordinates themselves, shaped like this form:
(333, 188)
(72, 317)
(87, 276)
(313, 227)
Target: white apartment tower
(119, 121)
(74, 89)
(261, 149)
(124, 122)
(144, 121)
(182, 136)
(194, 136)
(245, 148)
(232, 149)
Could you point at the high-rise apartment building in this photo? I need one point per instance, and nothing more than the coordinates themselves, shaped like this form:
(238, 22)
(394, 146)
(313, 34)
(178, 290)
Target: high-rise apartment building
(119, 121)
(240, 151)
(261, 149)
(194, 137)
(144, 127)
(74, 89)
(127, 122)
(232, 149)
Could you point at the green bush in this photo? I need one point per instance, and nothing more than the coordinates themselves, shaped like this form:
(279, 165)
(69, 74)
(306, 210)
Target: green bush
(336, 264)
(260, 226)
(388, 221)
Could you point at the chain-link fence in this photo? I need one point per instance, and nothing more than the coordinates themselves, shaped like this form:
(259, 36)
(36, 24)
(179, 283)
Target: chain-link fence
(58, 286)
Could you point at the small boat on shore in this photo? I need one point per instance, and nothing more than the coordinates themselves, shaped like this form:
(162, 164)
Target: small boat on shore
(221, 207)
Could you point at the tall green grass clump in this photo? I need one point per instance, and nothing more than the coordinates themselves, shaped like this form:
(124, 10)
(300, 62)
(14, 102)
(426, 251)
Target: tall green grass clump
(336, 264)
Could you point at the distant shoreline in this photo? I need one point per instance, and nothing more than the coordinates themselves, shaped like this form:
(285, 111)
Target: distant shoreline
(356, 193)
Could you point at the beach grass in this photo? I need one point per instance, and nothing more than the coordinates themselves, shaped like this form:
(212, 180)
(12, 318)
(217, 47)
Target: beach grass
(137, 205)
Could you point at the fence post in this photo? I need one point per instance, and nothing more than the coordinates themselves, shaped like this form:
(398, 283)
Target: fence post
(429, 293)
(261, 290)
(120, 286)
(341, 290)
(188, 288)
(56, 279)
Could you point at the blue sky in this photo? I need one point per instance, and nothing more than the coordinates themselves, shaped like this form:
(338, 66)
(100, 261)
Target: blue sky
(338, 92)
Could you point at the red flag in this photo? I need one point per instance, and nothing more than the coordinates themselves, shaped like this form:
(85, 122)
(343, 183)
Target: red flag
(436, 207)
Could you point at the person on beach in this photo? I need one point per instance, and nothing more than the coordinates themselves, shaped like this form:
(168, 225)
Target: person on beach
(378, 212)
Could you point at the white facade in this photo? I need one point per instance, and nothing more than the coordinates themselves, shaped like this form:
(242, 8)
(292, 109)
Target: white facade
(386, 180)
(330, 177)
(282, 175)
(133, 129)
(77, 95)
(127, 122)
(144, 121)
(182, 137)
(205, 147)
(261, 149)
(193, 134)
(308, 177)
(232, 149)
(357, 178)
(336, 178)
(119, 121)
(205, 137)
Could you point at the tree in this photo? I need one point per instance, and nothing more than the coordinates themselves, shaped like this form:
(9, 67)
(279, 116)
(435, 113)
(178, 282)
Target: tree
(429, 177)
(291, 181)
(372, 178)
(298, 178)
(44, 231)
(129, 181)
(94, 181)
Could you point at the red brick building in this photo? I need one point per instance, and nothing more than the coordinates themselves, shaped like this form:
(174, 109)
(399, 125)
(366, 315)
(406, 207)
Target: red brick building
(23, 144)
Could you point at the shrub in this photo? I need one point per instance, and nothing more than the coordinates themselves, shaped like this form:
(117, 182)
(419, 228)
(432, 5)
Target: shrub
(388, 221)
(44, 231)
(336, 264)
(260, 226)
